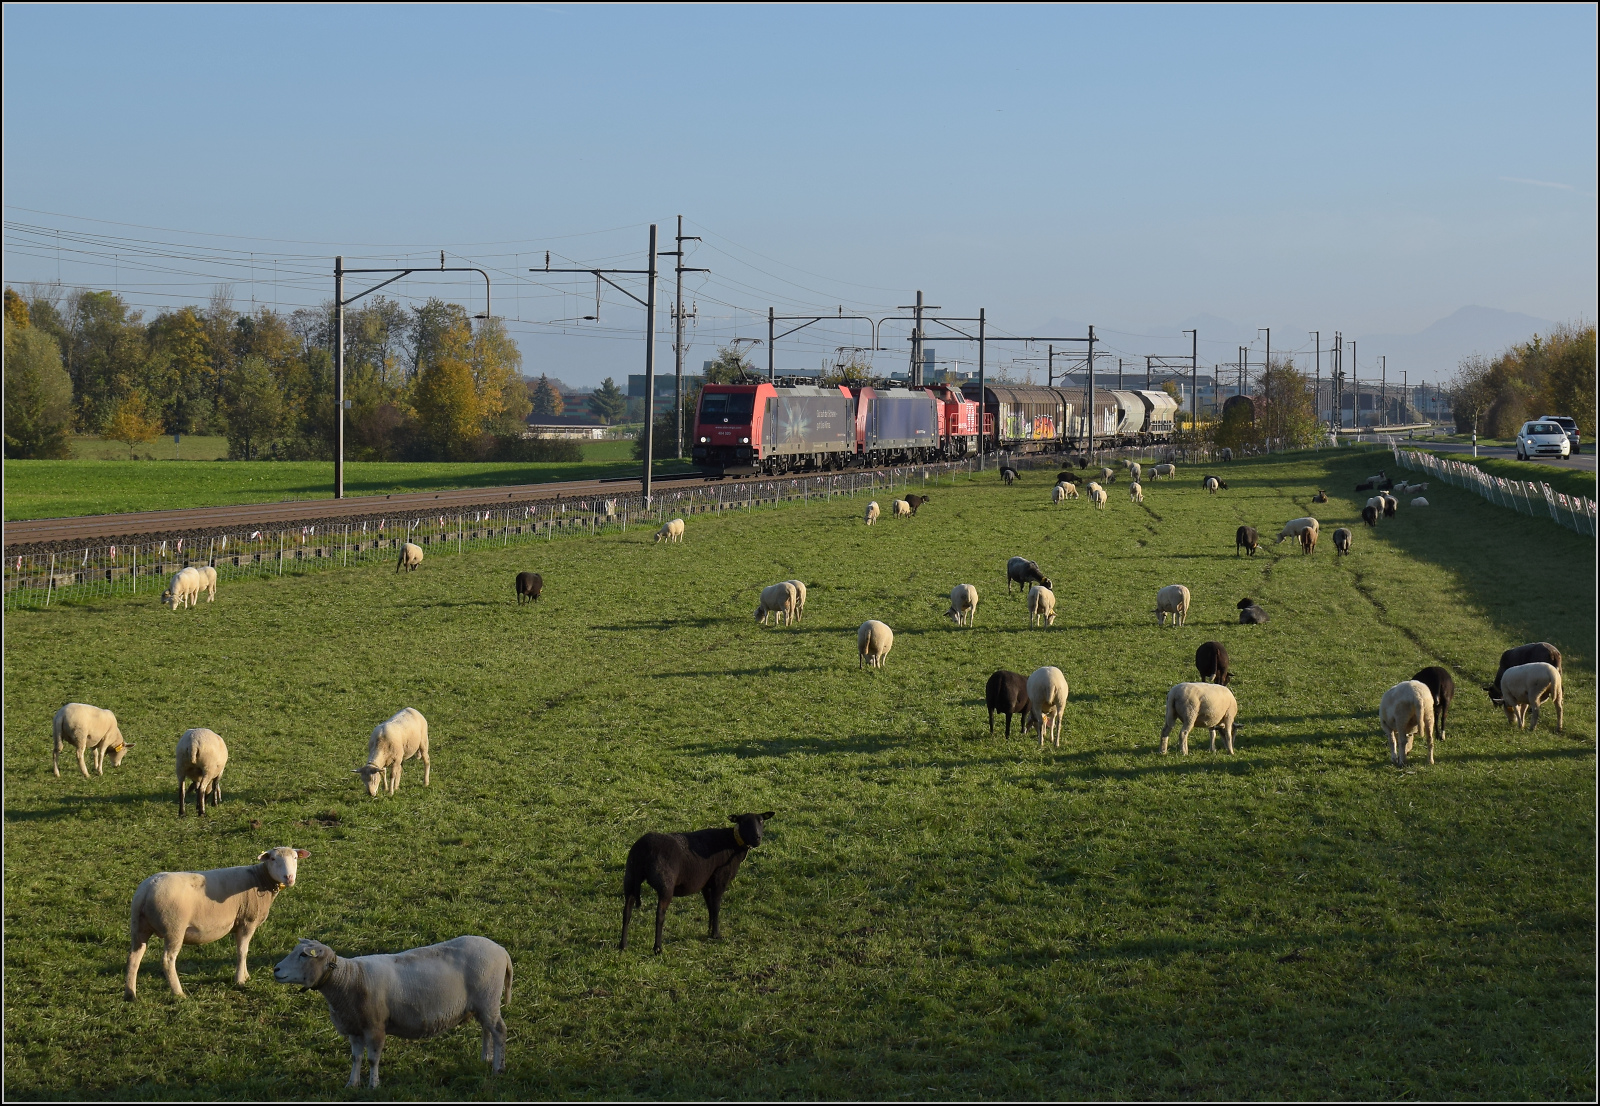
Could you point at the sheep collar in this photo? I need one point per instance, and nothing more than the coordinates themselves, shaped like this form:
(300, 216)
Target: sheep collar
(268, 884)
(739, 840)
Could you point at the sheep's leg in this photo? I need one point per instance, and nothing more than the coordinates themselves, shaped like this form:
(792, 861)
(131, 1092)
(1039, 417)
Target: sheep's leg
(140, 941)
(200, 794)
(394, 777)
(1183, 738)
(427, 767)
(374, 1054)
(169, 957)
(664, 901)
(99, 760)
(713, 897)
(356, 1050)
(82, 767)
(1561, 714)
(1165, 730)
(242, 936)
(1532, 716)
(183, 788)
(1229, 732)
(1213, 734)
(630, 899)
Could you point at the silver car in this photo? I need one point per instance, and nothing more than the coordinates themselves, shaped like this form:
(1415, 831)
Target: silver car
(1542, 439)
(1569, 425)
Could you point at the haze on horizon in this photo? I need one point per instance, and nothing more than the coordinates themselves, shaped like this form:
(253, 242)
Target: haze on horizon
(1368, 169)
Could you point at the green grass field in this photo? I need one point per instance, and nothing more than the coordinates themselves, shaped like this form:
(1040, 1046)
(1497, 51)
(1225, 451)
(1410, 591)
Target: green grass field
(1567, 481)
(936, 913)
(56, 489)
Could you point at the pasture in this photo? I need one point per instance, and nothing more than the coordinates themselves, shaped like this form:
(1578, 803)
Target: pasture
(935, 913)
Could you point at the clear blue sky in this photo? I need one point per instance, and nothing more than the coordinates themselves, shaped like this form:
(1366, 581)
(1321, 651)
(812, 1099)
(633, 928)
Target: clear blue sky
(1369, 169)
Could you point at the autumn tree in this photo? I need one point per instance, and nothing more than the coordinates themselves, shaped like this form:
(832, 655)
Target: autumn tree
(38, 391)
(131, 422)
(547, 401)
(448, 411)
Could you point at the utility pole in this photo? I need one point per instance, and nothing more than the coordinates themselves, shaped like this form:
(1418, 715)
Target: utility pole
(1316, 405)
(677, 316)
(1194, 378)
(1355, 384)
(1383, 387)
(1119, 374)
(1050, 375)
(1091, 394)
(982, 383)
(915, 375)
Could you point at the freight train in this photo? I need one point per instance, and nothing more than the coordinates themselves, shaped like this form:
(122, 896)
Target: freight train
(780, 427)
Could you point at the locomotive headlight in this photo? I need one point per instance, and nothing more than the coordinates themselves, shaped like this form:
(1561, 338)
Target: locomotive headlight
(744, 441)
(704, 440)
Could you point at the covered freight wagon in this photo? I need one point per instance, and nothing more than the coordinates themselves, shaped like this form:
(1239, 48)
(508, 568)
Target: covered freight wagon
(1023, 416)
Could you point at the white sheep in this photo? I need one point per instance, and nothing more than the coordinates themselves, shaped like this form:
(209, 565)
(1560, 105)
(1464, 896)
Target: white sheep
(1047, 703)
(1406, 710)
(197, 908)
(84, 728)
(963, 604)
(1420, 501)
(609, 506)
(410, 557)
(1135, 472)
(1136, 492)
(1295, 527)
(208, 581)
(672, 531)
(1524, 687)
(1108, 475)
(403, 737)
(1209, 706)
(800, 598)
(1041, 606)
(184, 588)
(873, 642)
(901, 508)
(1068, 489)
(779, 600)
(1174, 600)
(1159, 471)
(202, 758)
(872, 512)
(1097, 495)
(1058, 494)
(413, 994)
(1211, 485)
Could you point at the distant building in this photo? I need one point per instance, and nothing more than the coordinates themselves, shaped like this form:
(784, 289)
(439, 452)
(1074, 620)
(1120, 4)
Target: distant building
(565, 426)
(666, 388)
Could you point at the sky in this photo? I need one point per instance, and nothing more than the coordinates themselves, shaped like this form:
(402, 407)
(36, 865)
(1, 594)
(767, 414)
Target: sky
(1363, 169)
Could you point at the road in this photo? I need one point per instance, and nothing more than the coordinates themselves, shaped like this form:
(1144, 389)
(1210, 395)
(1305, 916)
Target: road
(1584, 462)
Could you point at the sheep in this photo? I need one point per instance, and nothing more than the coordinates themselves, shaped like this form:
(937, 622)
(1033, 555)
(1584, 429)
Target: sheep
(1211, 484)
(963, 604)
(1068, 490)
(1211, 661)
(200, 907)
(1136, 492)
(1097, 495)
(202, 758)
(1390, 506)
(208, 581)
(530, 585)
(1024, 572)
(1371, 483)
(1376, 501)
(1108, 475)
(1295, 527)
(84, 728)
(410, 557)
(779, 600)
(683, 863)
(1524, 687)
(1058, 494)
(1041, 605)
(1419, 501)
(1523, 654)
(1009, 475)
(1406, 710)
(1341, 540)
(1135, 471)
(1006, 692)
(415, 994)
(1047, 702)
(1247, 539)
(1209, 706)
(916, 502)
(872, 512)
(1320, 497)
(1369, 515)
(873, 642)
(403, 737)
(184, 589)
(1065, 476)
(1225, 454)
(1250, 613)
(1159, 471)
(901, 508)
(609, 508)
(1308, 541)
(1174, 600)
(799, 598)
(1442, 686)
(672, 531)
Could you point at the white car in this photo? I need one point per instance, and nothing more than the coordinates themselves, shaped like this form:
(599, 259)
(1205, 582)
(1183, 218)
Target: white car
(1542, 439)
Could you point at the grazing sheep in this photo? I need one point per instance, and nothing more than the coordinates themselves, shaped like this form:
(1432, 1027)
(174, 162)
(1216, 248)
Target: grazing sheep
(184, 588)
(1135, 470)
(872, 512)
(1524, 687)
(1009, 475)
(1442, 686)
(800, 598)
(779, 600)
(1419, 501)
(1006, 692)
(1024, 572)
(1377, 502)
(1068, 489)
(1320, 497)
(683, 863)
(1341, 540)
(1211, 484)
(1209, 706)
(1250, 613)
(1108, 475)
(1308, 541)
(1064, 476)
(410, 557)
(1390, 506)
(873, 642)
(1406, 710)
(202, 758)
(84, 728)
(1247, 539)
(1174, 600)
(1136, 492)
(1047, 702)
(1159, 471)
(1058, 494)
(672, 531)
(1371, 483)
(530, 585)
(1369, 515)
(963, 604)
(1295, 527)
(901, 508)
(1225, 454)
(208, 581)
(1523, 654)
(1097, 495)
(415, 994)
(403, 737)
(200, 907)
(1211, 660)
(915, 502)
(1041, 606)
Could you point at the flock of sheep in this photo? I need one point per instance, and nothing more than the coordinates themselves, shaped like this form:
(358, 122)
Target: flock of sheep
(427, 991)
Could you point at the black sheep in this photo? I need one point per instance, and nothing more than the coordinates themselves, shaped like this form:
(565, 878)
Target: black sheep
(916, 501)
(1443, 687)
(1024, 572)
(1245, 538)
(529, 585)
(683, 863)
(1532, 653)
(1320, 497)
(1006, 692)
(1065, 476)
(1373, 482)
(1211, 659)
(1390, 503)
(1009, 474)
(1250, 614)
(1369, 515)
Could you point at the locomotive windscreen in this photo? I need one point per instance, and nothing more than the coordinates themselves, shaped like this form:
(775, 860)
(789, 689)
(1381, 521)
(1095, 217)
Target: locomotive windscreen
(723, 406)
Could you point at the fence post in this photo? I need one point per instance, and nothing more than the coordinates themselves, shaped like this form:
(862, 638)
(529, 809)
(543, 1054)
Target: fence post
(50, 580)
(280, 552)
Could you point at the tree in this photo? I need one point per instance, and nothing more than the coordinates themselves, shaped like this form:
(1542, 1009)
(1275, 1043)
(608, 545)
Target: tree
(38, 391)
(446, 399)
(547, 401)
(728, 368)
(852, 373)
(254, 408)
(1289, 419)
(131, 422)
(497, 371)
(608, 401)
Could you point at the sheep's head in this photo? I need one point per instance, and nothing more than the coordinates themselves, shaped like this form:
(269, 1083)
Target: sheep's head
(747, 828)
(282, 864)
(307, 965)
(372, 776)
(1246, 603)
(119, 750)
(1496, 696)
